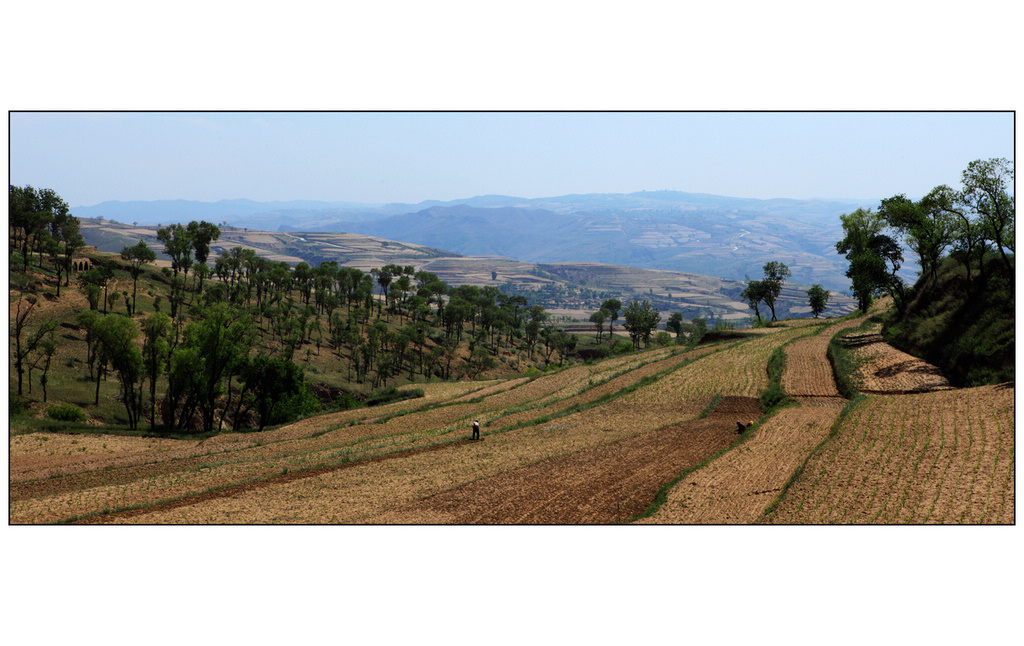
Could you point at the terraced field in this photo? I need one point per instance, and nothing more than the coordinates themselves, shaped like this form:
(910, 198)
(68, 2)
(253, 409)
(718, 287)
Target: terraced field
(586, 444)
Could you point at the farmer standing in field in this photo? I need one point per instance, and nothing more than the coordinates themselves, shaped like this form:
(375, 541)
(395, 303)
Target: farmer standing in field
(476, 429)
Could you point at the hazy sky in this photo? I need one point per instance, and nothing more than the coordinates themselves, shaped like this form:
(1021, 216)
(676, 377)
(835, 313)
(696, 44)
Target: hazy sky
(412, 156)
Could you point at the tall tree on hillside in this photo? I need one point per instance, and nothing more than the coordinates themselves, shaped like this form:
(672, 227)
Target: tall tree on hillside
(209, 356)
(985, 185)
(598, 318)
(136, 257)
(64, 241)
(156, 329)
(178, 245)
(116, 335)
(202, 233)
(31, 214)
(874, 258)
(775, 274)
(640, 321)
(817, 298)
(754, 293)
(926, 225)
(613, 305)
(674, 324)
(20, 324)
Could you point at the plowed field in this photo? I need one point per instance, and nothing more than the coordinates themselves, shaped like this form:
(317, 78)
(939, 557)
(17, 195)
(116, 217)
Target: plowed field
(886, 370)
(587, 444)
(938, 457)
(738, 486)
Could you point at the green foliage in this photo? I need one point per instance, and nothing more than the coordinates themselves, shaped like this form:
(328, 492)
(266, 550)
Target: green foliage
(346, 401)
(844, 364)
(774, 396)
(817, 298)
(875, 258)
(66, 413)
(775, 274)
(16, 406)
(968, 334)
(640, 321)
(391, 394)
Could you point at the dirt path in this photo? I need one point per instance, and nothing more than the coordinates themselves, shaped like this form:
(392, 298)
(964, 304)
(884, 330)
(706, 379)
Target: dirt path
(736, 487)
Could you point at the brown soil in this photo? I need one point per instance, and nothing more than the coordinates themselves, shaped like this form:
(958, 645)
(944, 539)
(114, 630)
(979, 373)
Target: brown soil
(606, 484)
(937, 457)
(886, 370)
(736, 487)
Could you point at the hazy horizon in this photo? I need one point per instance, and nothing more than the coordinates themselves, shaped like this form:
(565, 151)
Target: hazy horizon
(410, 157)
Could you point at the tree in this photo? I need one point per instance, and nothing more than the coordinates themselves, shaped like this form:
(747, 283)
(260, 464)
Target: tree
(64, 241)
(754, 293)
(675, 323)
(613, 305)
(926, 225)
(817, 297)
(985, 183)
(210, 354)
(775, 274)
(202, 233)
(873, 256)
(598, 318)
(640, 321)
(178, 245)
(156, 330)
(47, 347)
(20, 323)
(136, 257)
(116, 335)
(269, 385)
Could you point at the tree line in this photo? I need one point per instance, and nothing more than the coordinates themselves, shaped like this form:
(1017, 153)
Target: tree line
(965, 224)
(225, 341)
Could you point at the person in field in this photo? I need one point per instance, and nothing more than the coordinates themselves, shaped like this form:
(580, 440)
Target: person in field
(476, 429)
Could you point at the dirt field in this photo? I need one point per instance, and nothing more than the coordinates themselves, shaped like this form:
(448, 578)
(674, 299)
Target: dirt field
(736, 487)
(937, 457)
(587, 444)
(886, 370)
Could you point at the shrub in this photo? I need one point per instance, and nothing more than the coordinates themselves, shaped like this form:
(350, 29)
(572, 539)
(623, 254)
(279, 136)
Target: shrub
(66, 413)
(391, 394)
(622, 347)
(774, 396)
(17, 406)
(346, 401)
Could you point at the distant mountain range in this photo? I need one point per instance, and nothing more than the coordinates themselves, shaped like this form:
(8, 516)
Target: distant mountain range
(705, 234)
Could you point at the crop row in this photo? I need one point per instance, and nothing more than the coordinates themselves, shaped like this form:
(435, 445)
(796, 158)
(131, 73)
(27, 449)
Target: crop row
(938, 457)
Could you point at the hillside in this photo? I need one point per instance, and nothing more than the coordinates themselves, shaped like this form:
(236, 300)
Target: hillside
(966, 328)
(572, 289)
(668, 230)
(649, 437)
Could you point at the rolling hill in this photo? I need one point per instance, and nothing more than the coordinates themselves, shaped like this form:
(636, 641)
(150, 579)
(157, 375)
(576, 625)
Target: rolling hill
(698, 233)
(573, 290)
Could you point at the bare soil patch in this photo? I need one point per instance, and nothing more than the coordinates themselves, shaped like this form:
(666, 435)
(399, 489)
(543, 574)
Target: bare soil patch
(886, 370)
(938, 457)
(605, 484)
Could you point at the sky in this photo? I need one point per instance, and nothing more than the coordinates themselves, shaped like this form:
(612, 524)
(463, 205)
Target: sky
(379, 157)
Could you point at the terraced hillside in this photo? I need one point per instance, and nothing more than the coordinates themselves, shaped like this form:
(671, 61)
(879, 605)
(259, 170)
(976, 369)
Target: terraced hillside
(586, 444)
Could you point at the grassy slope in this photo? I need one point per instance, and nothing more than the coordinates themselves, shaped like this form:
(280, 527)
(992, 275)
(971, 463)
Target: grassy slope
(967, 333)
